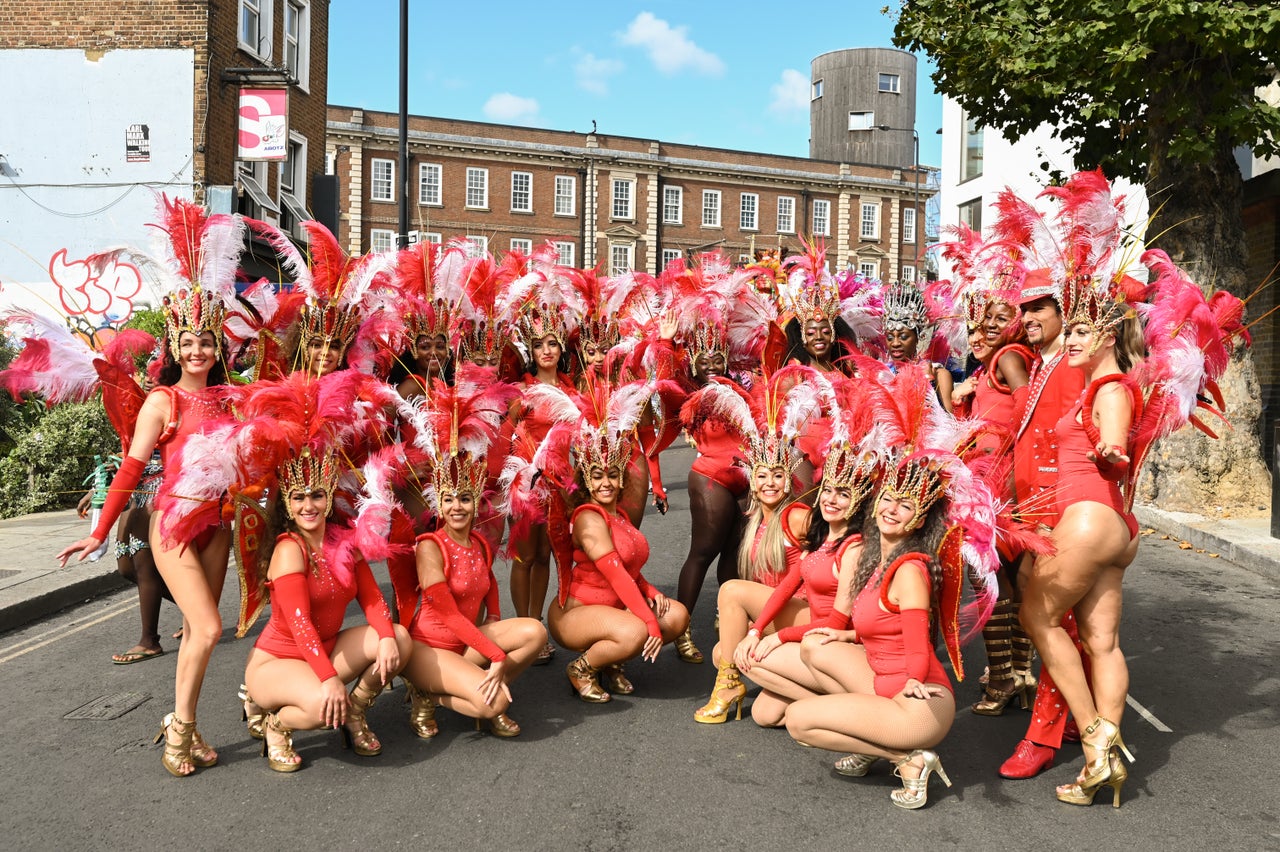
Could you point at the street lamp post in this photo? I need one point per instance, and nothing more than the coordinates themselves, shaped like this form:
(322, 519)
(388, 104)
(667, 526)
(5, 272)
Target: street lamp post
(915, 137)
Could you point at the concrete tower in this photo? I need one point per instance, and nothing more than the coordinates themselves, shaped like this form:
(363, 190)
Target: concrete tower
(854, 91)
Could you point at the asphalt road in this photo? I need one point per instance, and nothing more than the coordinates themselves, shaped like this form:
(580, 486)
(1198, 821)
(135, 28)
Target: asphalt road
(639, 773)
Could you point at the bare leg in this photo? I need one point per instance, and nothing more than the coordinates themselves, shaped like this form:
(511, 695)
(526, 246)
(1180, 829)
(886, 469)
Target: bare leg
(838, 666)
(784, 677)
(871, 724)
(137, 566)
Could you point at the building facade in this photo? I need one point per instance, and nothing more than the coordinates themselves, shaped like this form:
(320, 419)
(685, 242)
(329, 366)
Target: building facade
(106, 104)
(623, 202)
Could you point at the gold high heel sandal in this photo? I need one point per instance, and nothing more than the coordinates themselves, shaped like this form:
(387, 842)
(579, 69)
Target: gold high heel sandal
(728, 690)
(422, 712)
(1082, 792)
(202, 754)
(176, 754)
(915, 791)
(855, 765)
(996, 637)
(582, 679)
(361, 741)
(501, 725)
(1105, 770)
(280, 757)
(686, 650)
(615, 679)
(250, 713)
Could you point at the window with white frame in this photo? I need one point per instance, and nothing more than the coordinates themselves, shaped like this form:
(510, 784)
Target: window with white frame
(522, 246)
(786, 215)
(711, 208)
(869, 229)
(432, 237)
(620, 258)
(254, 30)
(862, 120)
(416, 237)
(672, 205)
(749, 212)
(522, 192)
(869, 268)
(293, 183)
(478, 189)
(821, 218)
(908, 224)
(909, 274)
(297, 39)
(816, 91)
(430, 177)
(566, 190)
(381, 239)
(382, 180)
(971, 215)
(565, 253)
(891, 83)
(477, 245)
(623, 198)
(668, 255)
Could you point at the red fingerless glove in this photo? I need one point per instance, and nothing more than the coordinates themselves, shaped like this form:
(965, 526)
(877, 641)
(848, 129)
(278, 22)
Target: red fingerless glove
(785, 591)
(627, 590)
(372, 602)
(438, 597)
(915, 637)
(122, 487)
(290, 598)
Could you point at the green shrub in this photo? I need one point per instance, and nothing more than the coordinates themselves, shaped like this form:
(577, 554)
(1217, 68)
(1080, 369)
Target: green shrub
(47, 467)
(15, 417)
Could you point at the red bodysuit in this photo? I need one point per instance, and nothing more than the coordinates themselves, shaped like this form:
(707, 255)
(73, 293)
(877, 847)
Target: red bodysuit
(1053, 388)
(897, 643)
(791, 551)
(307, 610)
(720, 457)
(595, 585)
(818, 573)
(1082, 479)
(450, 610)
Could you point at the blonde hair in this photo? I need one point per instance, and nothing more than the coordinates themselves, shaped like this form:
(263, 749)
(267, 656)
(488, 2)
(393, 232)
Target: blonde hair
(1131, 347)
(771, 556)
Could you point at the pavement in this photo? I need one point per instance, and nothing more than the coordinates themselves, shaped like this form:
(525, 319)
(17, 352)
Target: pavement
(32, 586)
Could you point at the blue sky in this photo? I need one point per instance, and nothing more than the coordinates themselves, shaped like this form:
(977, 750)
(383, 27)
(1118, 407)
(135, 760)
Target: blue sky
(704, 73)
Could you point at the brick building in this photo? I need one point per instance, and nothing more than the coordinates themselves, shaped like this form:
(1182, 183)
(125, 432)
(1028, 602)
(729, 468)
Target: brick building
(105, 101)
(629, 203)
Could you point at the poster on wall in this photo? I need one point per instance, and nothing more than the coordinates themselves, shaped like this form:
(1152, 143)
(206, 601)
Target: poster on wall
(263, 124)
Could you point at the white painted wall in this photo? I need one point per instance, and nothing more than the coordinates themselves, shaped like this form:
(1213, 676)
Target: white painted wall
(65, 184)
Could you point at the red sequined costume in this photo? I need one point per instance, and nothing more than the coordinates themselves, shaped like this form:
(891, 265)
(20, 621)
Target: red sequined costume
(450, 610)
(308, 607)
(1079, 478)
(897, 642)
(720, 457)
(817, 572)
(792, 551)
(602, 584)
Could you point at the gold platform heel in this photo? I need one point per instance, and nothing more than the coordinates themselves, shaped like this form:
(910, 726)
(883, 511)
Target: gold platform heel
(362, 741)
(615, 679)
(176, 754)
(915, 791)
(250, 713)
(280, 757)
(501, 725)
(855, 765)
(583, 680)
(202, 754)
(1105, 770)
(422, 712)
(686, 650)
(728, 690)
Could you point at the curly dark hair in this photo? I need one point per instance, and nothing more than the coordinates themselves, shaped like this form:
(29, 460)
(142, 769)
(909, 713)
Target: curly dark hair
(816, 536)
(171, 371)
(926, 538)
(407, 361)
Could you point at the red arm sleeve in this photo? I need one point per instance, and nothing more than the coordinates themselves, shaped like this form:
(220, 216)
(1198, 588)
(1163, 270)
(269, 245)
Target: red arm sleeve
(836, 620)
(122, 485)
(630, 592)
(785, 591)
(290, 598)
(372, 602)
(655, 477)
(664, 360)
(438, 597)
(492, 602)
(915, 636)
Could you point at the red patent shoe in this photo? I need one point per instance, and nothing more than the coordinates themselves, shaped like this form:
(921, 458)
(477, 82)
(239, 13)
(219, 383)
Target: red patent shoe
(1029, 760)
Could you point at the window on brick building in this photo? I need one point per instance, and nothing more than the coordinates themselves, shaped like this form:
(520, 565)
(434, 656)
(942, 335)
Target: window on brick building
(668, 255)
(869, 228)
(477, 245)
(433, 238)
(620, 258)
(429, 180)
(869, 268)
(522, 192)
(623, 199)
(297, 39)
(566, 190)
(711, 208)
(478, 188)
(822, 218)
(908, 224)
(293, 186)
(254, 31)
(381, 239)
(908, 274)
(786, 215)
(672, 205)
(416, 237)
(382, 180)
(565, 253)
(749, 212)
(522, 246)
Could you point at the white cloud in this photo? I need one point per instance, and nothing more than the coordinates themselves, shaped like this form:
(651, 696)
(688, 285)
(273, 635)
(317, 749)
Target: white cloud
(790, 94)
(514, 109)
(669, 47)
(593, 73)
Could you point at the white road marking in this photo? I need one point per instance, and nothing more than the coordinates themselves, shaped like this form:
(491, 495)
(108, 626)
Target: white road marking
(1142, 711)
(10, 653)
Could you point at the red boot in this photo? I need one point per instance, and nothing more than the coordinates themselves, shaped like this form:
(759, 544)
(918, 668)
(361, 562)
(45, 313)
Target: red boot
(1029, 760)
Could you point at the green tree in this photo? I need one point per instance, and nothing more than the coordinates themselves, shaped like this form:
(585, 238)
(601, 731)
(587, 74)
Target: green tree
(47, 467)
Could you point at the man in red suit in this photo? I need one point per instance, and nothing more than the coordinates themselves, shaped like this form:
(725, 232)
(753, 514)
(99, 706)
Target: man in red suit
(1054, 387)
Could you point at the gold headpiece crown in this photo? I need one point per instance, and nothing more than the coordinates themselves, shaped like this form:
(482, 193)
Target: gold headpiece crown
(322, 318)
(819, 302)
(770, 451)
(196, 310)
(458, 474)
(429, 323)
(309, 471)
(597, 448)
(915, 479)
(483, 341)
(1101, 308)
(536, 322)
(710, 337)
(600, 332)
(850, 469)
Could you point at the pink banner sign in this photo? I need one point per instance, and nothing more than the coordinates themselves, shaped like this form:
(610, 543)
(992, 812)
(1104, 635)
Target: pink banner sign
(264, 124)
